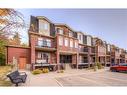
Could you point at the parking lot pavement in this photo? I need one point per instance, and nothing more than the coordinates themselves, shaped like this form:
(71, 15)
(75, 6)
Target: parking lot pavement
(77, 78)
(105, 78)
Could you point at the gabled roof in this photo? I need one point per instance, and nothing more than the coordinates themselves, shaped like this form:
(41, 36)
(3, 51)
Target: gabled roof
(62, 24)
(80, 32)
(43, 17)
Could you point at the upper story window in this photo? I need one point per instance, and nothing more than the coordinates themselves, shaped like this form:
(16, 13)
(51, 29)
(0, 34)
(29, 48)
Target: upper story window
(89, 41)
(109, 48)
(44, 28)
(60, 30)
(70, 34)
(85, 39)
(44, 42)
(76, 44)
(48, 42)
(71, 43)
(39, 55)
(66, 41)
(61, 41)
(40, 41)
(80, 37)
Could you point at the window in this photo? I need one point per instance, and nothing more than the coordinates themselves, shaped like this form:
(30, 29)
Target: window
(71, 43)
(44, 42)
(76, 44)
(108, 47)
(45, 26)
(48, 43)
(40, 26)
(60, 31)
(39, 55)
(79, 37)
(89, 41)
(60, 40)
(45, 57)
(85, 39)
(66, 41)
(70, 34)
(39, 42)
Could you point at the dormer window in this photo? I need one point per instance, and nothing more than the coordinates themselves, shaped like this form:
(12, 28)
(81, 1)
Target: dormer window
(60, 31)
(79, 37)
(89, 41)
(70, 34)
(45, 26)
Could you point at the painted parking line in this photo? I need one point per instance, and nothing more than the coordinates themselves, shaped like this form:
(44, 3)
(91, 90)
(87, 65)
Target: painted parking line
(95, 79)
(59, 83)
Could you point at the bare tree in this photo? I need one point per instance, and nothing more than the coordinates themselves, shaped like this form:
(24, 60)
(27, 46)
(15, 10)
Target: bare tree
(11, 21)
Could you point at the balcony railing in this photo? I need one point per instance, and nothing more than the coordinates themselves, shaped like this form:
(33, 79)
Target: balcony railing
(108, 53)
(92, 50)
(83, 49)
(44, 44)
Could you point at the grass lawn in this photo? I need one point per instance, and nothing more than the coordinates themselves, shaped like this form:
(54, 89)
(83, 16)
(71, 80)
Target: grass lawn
(3, 79)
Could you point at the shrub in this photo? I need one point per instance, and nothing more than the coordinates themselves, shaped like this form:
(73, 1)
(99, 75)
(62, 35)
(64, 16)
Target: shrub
(95, 67)
(60, 71)
(99, 65)
(36, 71)
(45, 70)
(2, 59)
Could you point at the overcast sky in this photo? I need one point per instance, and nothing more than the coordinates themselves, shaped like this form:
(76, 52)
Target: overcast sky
(108, 24)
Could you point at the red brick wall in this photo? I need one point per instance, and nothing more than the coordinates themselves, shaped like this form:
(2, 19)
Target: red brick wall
(18, 52)
(32, 45)
(67, 48)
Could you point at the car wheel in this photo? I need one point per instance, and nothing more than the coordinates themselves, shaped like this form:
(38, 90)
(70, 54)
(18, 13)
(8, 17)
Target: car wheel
(114, 70)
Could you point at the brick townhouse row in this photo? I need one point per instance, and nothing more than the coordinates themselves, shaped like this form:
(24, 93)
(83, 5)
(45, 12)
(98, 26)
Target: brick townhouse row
(57, 43)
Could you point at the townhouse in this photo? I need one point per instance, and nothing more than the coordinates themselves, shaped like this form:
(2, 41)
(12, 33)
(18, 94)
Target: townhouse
(86, 50)
(100, 51)
(53, 44)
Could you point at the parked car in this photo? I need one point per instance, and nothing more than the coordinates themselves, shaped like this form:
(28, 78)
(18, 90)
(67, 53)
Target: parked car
(119, 68)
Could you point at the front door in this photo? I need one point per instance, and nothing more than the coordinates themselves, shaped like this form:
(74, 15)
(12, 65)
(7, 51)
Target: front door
(22, 63)
(66, 60)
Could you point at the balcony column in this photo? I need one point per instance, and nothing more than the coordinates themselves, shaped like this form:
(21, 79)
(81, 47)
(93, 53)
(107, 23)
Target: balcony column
(88, 57)
(57, 57)
(57, 52)
(77, 59)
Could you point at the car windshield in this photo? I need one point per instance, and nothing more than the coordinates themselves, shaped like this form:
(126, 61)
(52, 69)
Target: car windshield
(123, 64)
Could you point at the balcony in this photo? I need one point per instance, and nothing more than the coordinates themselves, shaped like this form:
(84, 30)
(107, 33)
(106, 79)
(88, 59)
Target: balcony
(92, 50)
(83, 50)
(45, 46)
(108, 53)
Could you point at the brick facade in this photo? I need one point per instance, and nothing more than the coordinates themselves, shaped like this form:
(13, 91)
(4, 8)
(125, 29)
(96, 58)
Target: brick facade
(58, 43)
